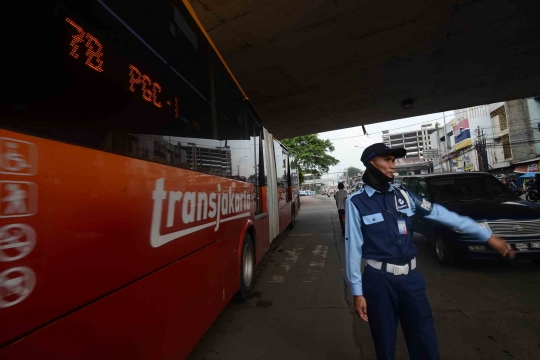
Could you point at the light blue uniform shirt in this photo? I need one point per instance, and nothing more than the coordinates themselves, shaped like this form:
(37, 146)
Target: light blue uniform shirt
(355, 239)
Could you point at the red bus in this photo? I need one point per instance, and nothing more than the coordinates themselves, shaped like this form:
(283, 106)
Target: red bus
(139, 188)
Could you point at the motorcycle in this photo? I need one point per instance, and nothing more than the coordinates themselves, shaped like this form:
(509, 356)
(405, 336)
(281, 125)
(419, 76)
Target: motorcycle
(532, 195)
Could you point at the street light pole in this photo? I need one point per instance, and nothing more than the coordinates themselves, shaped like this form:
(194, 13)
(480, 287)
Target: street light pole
(238, 166)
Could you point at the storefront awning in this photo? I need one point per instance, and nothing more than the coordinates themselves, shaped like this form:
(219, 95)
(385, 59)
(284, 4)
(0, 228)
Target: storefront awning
(526, 168)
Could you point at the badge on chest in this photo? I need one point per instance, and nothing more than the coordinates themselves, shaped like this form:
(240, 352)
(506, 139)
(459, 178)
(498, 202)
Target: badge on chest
(401, 204)
(402, 226)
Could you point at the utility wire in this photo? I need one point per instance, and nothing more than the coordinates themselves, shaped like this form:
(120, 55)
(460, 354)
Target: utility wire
(423, 122)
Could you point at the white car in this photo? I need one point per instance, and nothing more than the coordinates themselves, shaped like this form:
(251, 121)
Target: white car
(303, 193)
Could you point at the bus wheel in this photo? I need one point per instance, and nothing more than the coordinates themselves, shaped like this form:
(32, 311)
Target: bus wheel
(247, 271)
(293, 219)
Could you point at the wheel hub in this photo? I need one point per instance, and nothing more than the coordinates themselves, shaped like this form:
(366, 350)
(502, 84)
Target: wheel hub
(439, 248)
(247, 265)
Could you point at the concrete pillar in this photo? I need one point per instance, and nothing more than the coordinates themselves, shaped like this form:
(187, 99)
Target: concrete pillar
(520, 130)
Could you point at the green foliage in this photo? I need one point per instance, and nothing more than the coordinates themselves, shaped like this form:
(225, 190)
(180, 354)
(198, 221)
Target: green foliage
(311, 153)
(353, 171)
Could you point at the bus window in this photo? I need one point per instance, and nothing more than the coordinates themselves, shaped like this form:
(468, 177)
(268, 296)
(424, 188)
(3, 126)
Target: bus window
(257, 146)
(281, 173)
(287, 179)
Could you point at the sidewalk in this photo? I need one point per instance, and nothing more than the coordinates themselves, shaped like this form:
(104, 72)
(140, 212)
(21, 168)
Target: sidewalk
(301, 304)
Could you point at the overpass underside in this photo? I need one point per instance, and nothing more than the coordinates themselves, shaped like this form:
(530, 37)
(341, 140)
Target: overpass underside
(316, 65)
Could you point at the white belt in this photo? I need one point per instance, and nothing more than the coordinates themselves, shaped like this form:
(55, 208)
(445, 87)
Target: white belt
(391, 268)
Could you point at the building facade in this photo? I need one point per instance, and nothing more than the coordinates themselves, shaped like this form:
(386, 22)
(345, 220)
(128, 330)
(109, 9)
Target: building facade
(415, 142)
(502, 137)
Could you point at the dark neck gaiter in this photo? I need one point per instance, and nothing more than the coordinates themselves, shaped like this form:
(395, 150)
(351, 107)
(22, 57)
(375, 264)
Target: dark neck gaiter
(376, 179)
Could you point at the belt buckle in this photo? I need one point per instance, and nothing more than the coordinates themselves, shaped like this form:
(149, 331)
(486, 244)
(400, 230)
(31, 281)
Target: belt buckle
(401, 270)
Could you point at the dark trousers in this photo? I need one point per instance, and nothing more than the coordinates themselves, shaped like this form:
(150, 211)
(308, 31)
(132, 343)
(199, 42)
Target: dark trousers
(391, 297)
(341, 215)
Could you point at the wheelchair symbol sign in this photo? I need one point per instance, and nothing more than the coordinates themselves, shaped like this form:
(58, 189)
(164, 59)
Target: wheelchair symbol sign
(17, 157)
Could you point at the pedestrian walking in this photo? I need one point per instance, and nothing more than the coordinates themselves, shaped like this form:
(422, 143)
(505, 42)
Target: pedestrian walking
(341, 197)
(378, 229)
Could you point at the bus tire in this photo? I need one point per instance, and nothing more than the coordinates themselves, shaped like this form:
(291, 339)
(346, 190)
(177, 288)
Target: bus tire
(247, 269)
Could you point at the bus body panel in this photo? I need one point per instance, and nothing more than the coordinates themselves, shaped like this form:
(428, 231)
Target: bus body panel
(262, 225)
(106, 229)
(161, 316)
(111, 248)
(285, 216)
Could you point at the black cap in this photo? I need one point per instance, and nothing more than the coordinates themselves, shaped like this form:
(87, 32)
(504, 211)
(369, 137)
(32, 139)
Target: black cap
(380, 149)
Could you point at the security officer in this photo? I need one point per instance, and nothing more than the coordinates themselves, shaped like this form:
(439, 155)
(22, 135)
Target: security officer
(378, 228)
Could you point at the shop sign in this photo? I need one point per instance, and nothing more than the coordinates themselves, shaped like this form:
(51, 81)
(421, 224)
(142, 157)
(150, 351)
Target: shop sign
(532, 167)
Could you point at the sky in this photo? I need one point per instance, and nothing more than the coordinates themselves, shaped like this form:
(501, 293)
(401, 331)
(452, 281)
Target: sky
(345, 140)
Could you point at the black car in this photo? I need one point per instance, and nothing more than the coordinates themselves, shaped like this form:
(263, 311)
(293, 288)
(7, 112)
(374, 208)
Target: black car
(483, 198)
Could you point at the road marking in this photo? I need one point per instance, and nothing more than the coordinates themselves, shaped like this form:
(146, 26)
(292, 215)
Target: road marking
(318, 261)
(276, 279)
(288, 262)
(294, 253)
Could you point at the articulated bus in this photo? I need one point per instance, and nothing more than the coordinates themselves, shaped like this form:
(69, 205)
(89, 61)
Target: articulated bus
(139, 188)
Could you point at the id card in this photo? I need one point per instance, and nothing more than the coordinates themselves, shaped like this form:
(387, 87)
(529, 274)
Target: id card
(402, 227)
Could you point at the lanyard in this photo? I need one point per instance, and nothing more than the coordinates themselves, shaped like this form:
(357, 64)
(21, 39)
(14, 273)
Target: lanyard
(395, 202)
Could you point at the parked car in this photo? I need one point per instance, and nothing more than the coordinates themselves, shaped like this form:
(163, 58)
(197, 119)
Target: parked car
(303, 193)
(486, 200)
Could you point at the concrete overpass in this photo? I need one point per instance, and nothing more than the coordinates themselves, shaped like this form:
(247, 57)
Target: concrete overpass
(316, 65)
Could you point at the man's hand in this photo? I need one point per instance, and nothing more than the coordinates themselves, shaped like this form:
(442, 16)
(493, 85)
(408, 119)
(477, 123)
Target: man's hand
(501, 246)
(361, 307)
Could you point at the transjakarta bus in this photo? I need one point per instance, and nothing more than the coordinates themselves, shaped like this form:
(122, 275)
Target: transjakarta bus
(138, 186)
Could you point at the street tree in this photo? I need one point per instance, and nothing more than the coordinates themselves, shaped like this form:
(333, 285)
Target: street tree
(353, 171)
(311, 153)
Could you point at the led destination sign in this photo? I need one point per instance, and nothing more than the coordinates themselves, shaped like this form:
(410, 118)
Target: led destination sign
(100, 64)
(139, 83)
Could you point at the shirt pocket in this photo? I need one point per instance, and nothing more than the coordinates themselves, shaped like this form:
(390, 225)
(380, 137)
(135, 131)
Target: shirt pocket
(374, 224)
(372, 219)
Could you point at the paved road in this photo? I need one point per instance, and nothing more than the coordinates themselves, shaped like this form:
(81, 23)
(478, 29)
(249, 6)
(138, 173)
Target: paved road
(301, 305)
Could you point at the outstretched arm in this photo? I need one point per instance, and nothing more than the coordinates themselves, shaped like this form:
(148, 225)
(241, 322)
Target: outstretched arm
(464, 224)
